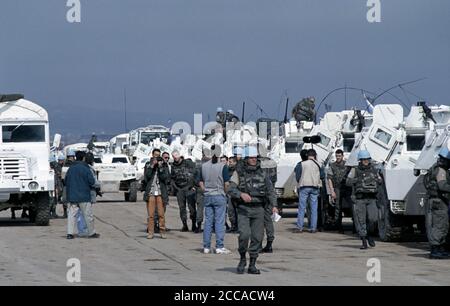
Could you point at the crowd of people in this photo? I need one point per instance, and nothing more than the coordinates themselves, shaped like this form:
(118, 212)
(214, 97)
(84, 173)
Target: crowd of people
(242, 188)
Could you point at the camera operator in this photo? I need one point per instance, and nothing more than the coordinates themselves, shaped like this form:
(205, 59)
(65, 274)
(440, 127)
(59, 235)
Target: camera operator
(155, 180)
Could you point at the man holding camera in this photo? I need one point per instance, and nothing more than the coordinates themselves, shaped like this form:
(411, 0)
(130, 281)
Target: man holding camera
(155, 181)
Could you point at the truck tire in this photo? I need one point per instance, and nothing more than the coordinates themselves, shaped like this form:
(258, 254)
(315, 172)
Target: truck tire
(132, 196)
(388, 231)
(42, 210)
(127, 196)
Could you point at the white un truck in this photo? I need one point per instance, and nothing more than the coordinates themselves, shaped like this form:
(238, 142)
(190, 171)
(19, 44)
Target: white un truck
(26, 180)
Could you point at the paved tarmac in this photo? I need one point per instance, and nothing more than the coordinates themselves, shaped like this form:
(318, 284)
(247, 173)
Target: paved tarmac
(31, 255)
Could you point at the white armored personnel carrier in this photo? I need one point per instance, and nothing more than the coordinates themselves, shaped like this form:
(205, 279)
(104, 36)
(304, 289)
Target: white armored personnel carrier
(286, 154)
(116, 174)
(396, 144)
(26, 180)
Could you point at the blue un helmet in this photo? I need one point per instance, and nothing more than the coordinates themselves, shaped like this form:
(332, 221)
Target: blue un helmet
(444, 153)
(71, 153)
(364, 154)
(238, 151)
(61, 157)
(52, 158)
(251, 152)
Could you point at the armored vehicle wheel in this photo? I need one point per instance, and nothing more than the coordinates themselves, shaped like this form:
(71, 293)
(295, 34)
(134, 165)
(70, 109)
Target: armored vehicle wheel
(127, 196)
(42, 210)
(387, 227)
(132, 196)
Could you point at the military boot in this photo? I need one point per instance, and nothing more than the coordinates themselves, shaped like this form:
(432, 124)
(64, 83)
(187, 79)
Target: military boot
(436, 253)
(194, 226)
(185, 227)
(252, 267)
(443, 250)
(268, 248)
(364, 244)
(242, 264)
(371, 241)
(199, 228)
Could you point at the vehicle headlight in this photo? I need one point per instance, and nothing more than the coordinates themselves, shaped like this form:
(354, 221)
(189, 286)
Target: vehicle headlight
(395, 162)
(33, 186)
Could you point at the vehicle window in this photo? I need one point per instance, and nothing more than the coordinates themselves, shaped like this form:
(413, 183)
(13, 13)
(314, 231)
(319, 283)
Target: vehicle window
(415, 142)
(146, 138)
(97, 160)
(348, 144)
(325, 141)
(383, 136)
(117, 160)
(23, 133)
(293, 147)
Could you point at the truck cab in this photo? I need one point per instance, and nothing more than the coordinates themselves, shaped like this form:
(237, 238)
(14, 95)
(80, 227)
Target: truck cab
(26, 180)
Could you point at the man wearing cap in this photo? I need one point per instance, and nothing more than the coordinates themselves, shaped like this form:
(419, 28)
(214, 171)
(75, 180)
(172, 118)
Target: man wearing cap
(437, 183)
(365, 181)
(250, 185)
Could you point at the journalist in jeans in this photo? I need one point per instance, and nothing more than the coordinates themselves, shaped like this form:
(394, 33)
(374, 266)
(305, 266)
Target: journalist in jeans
(213, 180)
(311, 175)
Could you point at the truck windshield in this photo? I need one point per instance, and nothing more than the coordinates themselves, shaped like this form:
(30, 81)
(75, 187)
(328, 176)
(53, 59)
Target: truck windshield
(23, 133)
(117, 160)
(148, 137)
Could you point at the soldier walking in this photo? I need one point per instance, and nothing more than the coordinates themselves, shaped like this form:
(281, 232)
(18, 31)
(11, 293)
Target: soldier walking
(251, 186)
(366, 182)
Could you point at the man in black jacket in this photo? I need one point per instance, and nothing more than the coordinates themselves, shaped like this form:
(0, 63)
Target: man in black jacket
(183, 176)
(156, 176)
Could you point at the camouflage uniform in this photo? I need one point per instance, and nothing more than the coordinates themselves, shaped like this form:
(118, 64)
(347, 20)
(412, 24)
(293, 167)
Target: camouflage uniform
(271, 169)
(366, 183)
(437, 183)
(337, 174)
(183, 181)
(254, 181)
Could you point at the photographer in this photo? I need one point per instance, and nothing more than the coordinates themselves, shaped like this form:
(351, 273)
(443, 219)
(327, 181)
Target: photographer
(155, 180)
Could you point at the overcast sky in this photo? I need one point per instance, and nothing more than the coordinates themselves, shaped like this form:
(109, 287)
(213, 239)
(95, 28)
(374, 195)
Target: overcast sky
(177, 57)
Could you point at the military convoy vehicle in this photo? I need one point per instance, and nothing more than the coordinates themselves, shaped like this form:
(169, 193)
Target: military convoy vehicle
(396, 143)
(26, 180)
(116, 174)
(286, 154)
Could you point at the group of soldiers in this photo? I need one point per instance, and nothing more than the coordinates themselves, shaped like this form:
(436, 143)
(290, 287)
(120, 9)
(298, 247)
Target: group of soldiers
(365, 182)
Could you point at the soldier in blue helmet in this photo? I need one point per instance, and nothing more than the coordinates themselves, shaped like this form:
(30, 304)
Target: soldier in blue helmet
(252, 188)
(437, 183)
(366, 182)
